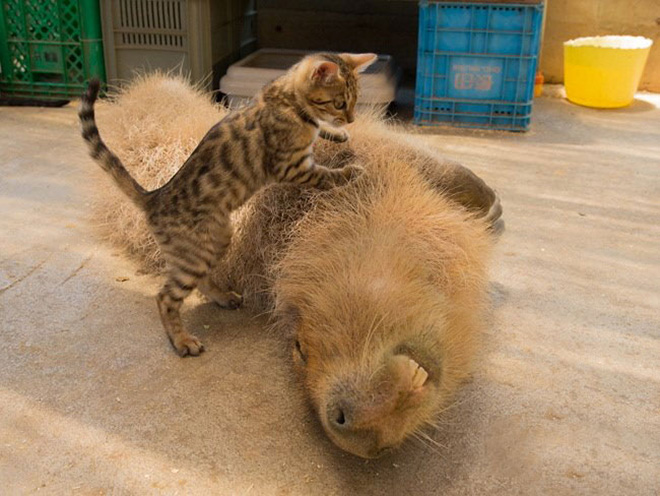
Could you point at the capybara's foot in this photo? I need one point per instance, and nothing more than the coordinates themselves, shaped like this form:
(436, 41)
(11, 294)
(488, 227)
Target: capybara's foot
(225, 299)
(231, 300)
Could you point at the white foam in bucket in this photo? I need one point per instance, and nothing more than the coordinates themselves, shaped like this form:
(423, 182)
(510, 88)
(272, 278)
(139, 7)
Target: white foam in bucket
(623, 42)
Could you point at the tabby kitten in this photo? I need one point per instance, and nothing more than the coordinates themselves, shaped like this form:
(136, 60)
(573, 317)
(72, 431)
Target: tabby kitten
(268, 141)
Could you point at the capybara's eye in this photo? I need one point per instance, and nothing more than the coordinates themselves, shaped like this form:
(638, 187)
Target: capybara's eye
(302, 355)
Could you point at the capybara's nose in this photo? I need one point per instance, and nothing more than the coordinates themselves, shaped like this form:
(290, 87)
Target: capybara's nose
(339, 416)
(345, 426)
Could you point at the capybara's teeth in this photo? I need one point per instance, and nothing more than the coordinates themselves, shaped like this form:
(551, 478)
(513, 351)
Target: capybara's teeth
(419, 377)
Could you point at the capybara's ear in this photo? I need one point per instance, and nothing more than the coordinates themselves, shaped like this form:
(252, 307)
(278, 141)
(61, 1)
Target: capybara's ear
(289, 317)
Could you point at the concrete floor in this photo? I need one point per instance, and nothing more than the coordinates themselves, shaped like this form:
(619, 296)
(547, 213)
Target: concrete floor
(565, 399)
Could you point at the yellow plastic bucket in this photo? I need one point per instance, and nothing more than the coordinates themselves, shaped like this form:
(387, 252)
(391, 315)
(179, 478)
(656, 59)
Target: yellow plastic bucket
(604, 71)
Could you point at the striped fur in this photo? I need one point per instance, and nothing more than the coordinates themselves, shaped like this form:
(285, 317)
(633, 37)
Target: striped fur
(269, 141)
(100, 152)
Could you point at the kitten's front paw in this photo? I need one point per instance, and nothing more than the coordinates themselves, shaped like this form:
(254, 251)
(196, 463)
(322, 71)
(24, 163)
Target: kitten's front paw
(341, 136)
(336, 135)
(351, 172)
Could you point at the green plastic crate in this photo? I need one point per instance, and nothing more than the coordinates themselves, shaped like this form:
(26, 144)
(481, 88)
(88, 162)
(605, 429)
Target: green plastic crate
(49, 48)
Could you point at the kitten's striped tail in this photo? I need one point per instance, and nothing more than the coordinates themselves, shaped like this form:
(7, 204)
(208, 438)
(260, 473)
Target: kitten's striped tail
(108, 161)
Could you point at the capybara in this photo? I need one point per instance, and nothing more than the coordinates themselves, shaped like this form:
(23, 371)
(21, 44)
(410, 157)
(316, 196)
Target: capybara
(381, 285)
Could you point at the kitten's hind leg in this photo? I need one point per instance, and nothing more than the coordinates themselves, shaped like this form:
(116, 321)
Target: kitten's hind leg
(220, 239)
(225, 299)
(170, 298)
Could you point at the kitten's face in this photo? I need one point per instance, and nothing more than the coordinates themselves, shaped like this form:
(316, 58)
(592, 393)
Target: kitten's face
(331, 88)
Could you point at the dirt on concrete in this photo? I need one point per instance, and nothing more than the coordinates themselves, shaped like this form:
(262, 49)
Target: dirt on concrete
(566, 394)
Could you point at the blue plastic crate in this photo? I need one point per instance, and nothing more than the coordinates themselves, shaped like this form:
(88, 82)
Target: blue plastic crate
(476, 64)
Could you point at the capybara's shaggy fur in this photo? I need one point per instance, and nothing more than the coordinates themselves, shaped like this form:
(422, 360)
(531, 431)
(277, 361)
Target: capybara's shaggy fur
(153, 125)
(381, 284)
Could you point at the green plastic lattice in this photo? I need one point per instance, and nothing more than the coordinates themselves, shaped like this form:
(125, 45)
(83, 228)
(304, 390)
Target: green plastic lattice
(49, 48)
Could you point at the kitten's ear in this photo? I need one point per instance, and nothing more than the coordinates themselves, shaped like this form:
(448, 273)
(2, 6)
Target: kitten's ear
(325, 72)
(359, 61)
